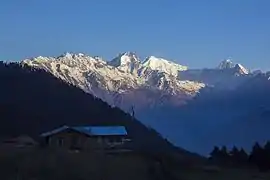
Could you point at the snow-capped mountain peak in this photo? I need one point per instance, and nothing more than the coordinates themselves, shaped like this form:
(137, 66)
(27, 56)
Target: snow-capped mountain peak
(229, 65)
(226, 64)
(124, 59)
(69, 55)
(66, 55)
(127, 62)
(240, 69)
(163, 65)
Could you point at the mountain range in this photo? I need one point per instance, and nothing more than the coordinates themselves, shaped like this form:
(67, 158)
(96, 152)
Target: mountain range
(193, 108)
(125, 81)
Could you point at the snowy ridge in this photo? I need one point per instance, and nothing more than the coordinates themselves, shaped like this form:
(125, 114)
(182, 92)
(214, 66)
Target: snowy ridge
(125, 81)
(241, 69)
(163, 65)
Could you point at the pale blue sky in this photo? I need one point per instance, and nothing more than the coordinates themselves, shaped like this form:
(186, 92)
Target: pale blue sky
(197, 33)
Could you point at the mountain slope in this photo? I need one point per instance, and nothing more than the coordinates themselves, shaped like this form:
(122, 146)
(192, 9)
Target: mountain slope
(33, 101)
(218, 117)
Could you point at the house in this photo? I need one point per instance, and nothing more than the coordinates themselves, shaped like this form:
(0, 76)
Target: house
(22, 141)
(86, 137)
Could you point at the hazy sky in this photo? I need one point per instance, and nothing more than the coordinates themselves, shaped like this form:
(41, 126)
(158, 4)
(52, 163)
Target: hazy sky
(197, 33)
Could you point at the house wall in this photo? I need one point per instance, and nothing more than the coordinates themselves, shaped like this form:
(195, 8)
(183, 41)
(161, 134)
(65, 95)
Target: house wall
(71, 139)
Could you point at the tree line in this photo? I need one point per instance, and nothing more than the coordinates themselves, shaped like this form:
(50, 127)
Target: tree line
(258, 157)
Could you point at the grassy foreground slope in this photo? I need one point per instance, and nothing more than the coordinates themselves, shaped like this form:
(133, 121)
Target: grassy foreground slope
(45, 164)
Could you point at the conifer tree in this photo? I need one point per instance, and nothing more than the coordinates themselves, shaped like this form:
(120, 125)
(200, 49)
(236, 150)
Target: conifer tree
(224, 152)
(243, 156)
(234, 155)
(267, 154)
(224, 155)
(215, 154)
(256, 156)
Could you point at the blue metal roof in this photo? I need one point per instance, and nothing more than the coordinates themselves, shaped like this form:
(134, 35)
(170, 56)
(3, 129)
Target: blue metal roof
(102, 130)
(92, 130)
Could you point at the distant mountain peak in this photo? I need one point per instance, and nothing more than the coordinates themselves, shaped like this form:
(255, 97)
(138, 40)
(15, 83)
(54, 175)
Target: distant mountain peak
(124, 59)
(69, 55)
(229, 64)
(241, 69)
(226, 64)
(129, 53)
(66, 55)
(163, 65)
(128, 62)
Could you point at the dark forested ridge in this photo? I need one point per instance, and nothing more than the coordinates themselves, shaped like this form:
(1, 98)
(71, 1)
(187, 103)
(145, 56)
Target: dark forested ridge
(33, 101)
(237, 157)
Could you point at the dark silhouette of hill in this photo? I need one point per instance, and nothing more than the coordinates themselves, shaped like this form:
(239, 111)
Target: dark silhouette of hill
(33, 101)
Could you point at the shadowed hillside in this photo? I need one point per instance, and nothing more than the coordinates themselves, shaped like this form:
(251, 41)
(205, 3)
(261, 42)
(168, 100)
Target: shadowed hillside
(34, 101)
